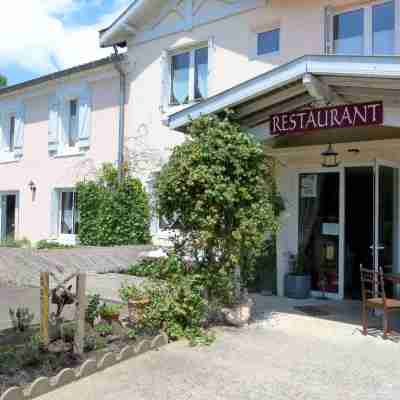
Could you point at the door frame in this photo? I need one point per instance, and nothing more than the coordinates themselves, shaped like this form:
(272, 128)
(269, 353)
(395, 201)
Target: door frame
(321, 170)
(342, 208)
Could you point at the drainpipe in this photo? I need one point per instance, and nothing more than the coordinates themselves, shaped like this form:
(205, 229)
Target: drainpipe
(121, 125)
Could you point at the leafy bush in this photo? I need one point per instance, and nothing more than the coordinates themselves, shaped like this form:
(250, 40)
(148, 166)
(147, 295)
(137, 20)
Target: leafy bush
(68, 332)
(107, 311)
(178, 306)
(92, 309)
(113, 213)
(49, 245)
(218, 189)
(103, 329)
(21, 318)
(129, 292)
(158, 268)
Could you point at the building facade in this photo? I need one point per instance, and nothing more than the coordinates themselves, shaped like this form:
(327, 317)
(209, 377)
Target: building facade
(265, 58)
(55, 131)
(272, 61)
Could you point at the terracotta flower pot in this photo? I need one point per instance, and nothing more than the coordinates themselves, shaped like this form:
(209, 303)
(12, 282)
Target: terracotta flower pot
(136, 309)
(110, 318)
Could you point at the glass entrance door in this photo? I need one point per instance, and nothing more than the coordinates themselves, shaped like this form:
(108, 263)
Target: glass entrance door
(319, 229)
(384, 250)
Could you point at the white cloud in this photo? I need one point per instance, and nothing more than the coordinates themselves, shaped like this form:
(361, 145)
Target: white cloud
(34, 36)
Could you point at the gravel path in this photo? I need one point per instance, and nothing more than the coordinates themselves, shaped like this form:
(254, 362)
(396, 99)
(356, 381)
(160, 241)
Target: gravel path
(287, 356)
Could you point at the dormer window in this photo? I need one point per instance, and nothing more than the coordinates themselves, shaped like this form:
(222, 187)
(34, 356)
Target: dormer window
(189, 76)
(367, 30)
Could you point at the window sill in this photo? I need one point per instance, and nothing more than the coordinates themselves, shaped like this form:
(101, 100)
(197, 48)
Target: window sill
(9, 158)
(172, 109)
(66, 154)
(265, 57)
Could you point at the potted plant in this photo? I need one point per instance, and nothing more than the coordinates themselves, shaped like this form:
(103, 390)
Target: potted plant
(110, 312)
(136, 299)
(298, 280)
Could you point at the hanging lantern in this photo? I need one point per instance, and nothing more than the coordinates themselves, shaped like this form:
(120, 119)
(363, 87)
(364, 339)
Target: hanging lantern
(329, 157)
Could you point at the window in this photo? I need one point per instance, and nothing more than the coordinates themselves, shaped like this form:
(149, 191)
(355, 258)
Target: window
(11, 134)
(69, 214)
(189, 76)
(348, 32)
(367, 30)
(383, 28)
(73, 123)
(268, 42)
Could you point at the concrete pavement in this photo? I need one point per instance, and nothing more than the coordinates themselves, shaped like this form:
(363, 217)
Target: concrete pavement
(285, 357)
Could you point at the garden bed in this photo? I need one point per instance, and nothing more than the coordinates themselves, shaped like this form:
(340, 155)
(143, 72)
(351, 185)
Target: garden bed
(22, 362)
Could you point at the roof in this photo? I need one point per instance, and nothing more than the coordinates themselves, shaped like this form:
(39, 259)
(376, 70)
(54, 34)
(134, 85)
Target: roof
(284, 87)
(61, 74)
(138, 12)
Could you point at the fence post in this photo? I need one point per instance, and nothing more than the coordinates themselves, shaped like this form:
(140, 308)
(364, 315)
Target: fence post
(44, 309)
(80, 314)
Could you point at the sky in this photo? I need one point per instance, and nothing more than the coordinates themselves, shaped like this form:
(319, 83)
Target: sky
(44, 36)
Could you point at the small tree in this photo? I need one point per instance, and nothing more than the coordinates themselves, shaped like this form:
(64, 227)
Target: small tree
(3, 80)
(218, 190)
(113, 213)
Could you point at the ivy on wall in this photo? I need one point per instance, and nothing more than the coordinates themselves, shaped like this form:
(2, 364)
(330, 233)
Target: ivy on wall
(113, 213)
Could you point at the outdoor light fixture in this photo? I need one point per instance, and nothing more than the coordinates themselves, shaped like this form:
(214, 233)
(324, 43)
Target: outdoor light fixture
(329, 157)
(32, 186)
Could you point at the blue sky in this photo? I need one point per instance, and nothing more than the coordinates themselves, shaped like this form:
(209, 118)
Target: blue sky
(50, 35)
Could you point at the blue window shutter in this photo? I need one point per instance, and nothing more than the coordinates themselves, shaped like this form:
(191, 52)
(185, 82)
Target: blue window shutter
(84, 120)
(54, 125)
(19, 130)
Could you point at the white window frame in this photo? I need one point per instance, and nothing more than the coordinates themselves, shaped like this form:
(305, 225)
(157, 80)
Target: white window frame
(192, 70)
(367, 25)
(66, 238)
(271, 53)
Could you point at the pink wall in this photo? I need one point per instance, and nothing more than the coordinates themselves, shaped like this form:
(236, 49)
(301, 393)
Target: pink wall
(49, 172)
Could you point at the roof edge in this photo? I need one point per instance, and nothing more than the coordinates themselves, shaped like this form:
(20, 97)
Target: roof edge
(61, 74)
(106, 35)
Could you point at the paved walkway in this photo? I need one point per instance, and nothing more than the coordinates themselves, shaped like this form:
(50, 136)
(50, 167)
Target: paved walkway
(283, 356)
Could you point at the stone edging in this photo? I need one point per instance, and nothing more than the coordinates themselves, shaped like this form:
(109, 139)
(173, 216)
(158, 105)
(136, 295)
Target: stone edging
(45, 385)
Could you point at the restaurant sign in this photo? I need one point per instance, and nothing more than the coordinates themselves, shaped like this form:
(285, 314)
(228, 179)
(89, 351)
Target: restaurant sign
(343, 116)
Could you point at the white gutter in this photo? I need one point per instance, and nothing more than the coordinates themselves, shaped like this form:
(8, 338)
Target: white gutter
(107, 37)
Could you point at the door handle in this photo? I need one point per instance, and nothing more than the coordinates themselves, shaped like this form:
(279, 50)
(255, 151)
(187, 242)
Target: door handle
(380, 247)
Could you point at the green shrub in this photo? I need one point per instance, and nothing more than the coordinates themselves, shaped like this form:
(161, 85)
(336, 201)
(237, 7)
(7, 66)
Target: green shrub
(178, 306)
(107, 311)
(103, 329)
(49, 245)
(158, 268)
(113, 213)
(92, 309)
(129, 292)
(219, 190)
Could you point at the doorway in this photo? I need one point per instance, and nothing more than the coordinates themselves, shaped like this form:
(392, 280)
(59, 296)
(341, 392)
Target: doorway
(359, 228)
(8, 216)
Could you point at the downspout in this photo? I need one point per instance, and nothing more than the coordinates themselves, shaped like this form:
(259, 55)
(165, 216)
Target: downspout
(121, 125)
